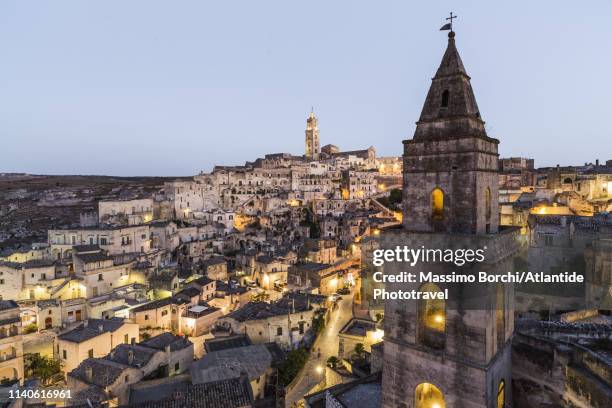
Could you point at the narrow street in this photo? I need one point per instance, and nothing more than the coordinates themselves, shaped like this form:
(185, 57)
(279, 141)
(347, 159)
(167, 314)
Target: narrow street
(328, 343)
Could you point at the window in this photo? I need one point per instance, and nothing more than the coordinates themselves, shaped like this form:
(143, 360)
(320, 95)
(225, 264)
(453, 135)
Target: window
(64, 354)
(500, 316)
(427, 395)
(279, 331)
(100, 277)
(127, 378)
(1, 281)
(549, 240)
(164, 312)
(90, 353)
(146, 317)
(177, 366)
(444, 103)
(103, 241)
(431, 329)
(126, 339)
(501, 398)
(437, 204)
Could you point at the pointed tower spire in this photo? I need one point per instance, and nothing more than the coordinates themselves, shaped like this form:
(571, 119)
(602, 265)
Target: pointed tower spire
(450, 109)
(451, 185)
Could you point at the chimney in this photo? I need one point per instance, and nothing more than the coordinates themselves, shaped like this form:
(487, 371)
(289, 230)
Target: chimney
(101, 328)
(596, 162)
(130, 357)
(89, 374)
(168, 349)
(86, 323)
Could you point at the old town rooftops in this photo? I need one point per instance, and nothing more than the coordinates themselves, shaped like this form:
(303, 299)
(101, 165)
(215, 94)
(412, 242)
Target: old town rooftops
(31, 264)
(159, 303)
(161, 341)
(224, 343)
(91, 328)
(8, 305)
(263, 310)
(179, 392)
(255, 360)
(98, 371)
(131, 355)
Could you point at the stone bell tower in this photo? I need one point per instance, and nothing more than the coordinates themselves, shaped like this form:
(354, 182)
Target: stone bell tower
(453, 352)
(312, 137)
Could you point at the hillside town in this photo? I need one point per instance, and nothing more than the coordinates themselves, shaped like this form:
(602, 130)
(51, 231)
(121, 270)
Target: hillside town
(250, 285)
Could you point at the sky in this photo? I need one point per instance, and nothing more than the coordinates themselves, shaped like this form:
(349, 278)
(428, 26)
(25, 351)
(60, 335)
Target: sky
(172, 88)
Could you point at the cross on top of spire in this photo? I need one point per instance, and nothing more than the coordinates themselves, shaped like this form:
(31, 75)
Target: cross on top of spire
(451, 18)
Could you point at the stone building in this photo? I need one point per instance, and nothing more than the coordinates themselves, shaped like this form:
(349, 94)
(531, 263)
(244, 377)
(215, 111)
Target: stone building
(452, 352)
(11, 343)
(312, 138)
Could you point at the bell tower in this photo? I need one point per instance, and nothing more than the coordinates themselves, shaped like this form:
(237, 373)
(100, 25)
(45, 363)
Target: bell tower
(450, 166)
(312, 137)
(452, 352)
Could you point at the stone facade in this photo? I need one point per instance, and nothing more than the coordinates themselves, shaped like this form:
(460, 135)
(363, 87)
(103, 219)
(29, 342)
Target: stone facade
(460, 354)
(312, 138)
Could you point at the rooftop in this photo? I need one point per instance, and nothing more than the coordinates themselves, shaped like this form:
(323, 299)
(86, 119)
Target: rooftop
(255, 360)
(178, 392)
(91, 328)
(224, 343)
(161, 341)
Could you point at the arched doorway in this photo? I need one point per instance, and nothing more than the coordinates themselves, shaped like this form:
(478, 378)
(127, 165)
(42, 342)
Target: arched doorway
(431, 319)
(427, 395)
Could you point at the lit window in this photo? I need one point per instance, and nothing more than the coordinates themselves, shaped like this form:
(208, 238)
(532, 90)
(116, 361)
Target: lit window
(437, 204)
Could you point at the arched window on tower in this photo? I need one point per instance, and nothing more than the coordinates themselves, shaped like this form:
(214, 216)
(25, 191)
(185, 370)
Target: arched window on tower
(427, 395)
(501, 394)
(444, 103)
(500, 316)
(431, 328)
(488, 208)
(437, 204)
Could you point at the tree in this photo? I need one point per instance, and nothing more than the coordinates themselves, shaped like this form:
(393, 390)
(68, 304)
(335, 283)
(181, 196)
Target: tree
(30, 328)
(292, 365)
(44, 367)
(333, 361)
(359, 350)
(318, 324)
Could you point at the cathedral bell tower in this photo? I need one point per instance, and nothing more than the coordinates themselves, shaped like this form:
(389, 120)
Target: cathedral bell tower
(455, 351)
(312, 137)
(450, 166)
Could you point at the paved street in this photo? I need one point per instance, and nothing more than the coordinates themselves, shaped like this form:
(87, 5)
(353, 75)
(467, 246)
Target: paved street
(39, 343)
(328, 343)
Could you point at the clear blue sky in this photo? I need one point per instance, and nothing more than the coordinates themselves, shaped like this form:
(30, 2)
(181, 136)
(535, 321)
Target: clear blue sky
(173, 87)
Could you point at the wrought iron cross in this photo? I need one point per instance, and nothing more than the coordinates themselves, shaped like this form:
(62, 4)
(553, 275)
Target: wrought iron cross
(451, 20)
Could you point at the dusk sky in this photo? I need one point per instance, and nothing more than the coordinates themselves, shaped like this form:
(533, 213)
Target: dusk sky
(174, 87)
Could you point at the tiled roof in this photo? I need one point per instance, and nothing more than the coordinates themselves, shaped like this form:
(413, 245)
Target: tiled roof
(8, 304)
(253, 360)
(156, 304)
(229, 393)
(104, 372)
(91, 328)
(224, 343)
(140, 355)
(160, 342)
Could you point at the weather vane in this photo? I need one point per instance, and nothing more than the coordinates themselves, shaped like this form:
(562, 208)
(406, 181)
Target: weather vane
(449, 26)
